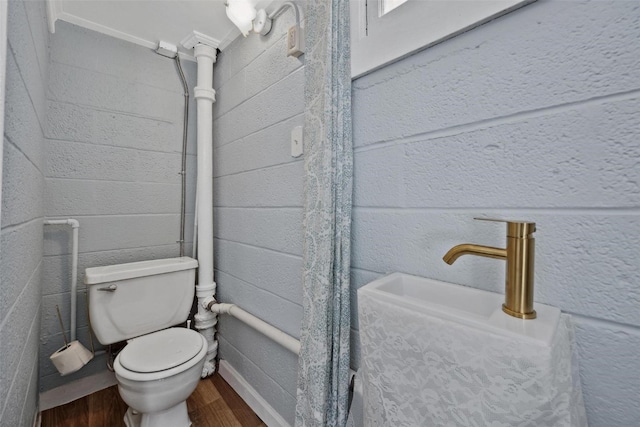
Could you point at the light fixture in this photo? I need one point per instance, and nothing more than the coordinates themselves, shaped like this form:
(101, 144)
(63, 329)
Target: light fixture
(245, 16)
(241, 13)
(262, 23)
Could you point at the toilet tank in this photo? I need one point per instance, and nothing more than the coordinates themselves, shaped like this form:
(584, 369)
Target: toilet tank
(129, 300)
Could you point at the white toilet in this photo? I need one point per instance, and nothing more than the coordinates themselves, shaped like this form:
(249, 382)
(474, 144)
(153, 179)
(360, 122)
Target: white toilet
(160, 366)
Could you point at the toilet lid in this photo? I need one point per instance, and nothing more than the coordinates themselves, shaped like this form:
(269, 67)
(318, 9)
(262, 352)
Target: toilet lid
(161, 350)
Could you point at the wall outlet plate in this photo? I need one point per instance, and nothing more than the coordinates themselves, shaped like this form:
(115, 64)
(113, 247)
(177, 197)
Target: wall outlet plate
(295, 41)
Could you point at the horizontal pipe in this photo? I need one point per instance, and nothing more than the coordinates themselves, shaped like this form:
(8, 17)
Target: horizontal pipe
(285, 340)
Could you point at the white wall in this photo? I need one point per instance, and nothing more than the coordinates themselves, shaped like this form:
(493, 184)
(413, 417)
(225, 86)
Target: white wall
(258, 206)
(22, 211)
(531, 116)
(114, 137)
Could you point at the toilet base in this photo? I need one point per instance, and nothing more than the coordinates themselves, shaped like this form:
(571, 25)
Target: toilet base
(176, 416)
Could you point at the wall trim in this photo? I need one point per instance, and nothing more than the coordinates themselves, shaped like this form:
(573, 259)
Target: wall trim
(192, 39)
(255, 401)
(85, 23)
(61, 15)
(77, 389)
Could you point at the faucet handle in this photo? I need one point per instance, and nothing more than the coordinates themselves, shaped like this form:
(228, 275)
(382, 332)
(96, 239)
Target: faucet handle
(519, 229)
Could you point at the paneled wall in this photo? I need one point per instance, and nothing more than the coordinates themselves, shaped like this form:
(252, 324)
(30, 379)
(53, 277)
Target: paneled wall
(258, 206)
(114, 137)
(22, 211)
(532, 116)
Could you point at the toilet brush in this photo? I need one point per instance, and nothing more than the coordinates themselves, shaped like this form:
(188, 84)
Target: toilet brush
(72, 356)
(64, 336)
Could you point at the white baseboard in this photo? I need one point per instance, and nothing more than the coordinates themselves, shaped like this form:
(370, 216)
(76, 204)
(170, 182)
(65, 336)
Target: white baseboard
(256, 402)
(76, 390)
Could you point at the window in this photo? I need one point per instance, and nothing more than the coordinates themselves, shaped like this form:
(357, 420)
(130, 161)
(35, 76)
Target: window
(383, 31)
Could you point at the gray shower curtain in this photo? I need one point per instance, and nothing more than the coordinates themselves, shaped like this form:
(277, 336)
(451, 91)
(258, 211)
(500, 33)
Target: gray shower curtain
(323, 367)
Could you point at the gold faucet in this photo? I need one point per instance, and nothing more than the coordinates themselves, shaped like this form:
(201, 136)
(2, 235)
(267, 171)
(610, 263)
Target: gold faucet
(519, 254)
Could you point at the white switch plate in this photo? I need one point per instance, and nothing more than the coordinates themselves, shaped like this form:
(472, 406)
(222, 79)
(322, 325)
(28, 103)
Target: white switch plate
(296, 142)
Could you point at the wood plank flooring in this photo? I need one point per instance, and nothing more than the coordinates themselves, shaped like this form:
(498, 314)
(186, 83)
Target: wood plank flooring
(213, 404)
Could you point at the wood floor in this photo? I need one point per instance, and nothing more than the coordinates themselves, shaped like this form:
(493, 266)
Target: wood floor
(213, 404)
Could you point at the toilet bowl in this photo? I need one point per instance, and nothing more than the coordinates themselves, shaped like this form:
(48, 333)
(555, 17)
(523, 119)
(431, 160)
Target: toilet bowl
(156, 373)
(160, 366)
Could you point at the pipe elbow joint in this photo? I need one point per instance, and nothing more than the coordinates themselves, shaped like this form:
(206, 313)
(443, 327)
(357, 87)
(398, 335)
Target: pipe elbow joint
(208, 302)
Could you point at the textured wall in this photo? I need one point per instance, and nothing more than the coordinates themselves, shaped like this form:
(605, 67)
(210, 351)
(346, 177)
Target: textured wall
(532, 116)
(114, 136)
(258, 206)
(22, 211)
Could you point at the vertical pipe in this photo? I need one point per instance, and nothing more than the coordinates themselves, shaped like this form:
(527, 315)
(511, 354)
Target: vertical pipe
(74, 278)
(75, 225)
(205, 96)
(183, 170)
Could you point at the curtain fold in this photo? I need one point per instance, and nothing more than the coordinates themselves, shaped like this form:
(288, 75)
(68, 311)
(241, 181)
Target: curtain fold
(323, 367)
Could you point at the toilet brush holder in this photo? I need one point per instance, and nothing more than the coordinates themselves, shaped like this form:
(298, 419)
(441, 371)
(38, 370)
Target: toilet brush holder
(71, 358)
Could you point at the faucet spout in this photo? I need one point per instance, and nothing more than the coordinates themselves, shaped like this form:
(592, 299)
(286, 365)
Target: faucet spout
(471, 249)
(519, 254)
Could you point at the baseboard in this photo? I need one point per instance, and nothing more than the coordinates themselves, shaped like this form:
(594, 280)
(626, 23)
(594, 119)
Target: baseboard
(260, 406)
(76, 390)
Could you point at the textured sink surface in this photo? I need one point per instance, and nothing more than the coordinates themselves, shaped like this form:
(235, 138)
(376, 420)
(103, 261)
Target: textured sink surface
(473, 307)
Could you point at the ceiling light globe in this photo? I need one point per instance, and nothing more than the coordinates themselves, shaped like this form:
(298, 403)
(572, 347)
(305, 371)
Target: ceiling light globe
(241, 13)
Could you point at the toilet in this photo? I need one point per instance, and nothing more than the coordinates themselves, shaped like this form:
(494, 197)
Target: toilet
(161, 364)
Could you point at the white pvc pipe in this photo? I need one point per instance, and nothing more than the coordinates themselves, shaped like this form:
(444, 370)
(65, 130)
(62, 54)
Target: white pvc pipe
(285, 340)
(194, 248)
(205, 96)
(75, 225)
(205, 320)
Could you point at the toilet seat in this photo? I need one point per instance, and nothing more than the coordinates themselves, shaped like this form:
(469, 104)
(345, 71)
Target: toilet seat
(160, 354)
(161, 350)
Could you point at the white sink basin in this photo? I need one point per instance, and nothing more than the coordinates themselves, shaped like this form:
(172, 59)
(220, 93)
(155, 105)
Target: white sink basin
(473, 307)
